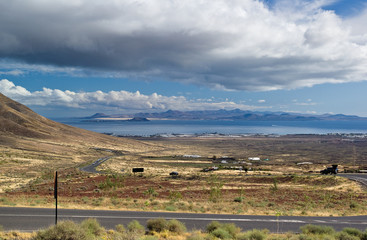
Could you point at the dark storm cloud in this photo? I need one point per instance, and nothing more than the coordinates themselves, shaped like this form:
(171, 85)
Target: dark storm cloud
(240, 45)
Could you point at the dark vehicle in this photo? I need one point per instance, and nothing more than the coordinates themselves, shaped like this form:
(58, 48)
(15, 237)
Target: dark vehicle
(330, 170)
(174, 174)
(210, 169)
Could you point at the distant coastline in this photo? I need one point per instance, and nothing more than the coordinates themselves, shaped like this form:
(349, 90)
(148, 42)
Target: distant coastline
(208, 128)
(109, 119)
(223, 115)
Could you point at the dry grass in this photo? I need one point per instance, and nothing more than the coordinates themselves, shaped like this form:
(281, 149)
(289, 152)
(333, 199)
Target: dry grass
(270, 188)
(269, 195)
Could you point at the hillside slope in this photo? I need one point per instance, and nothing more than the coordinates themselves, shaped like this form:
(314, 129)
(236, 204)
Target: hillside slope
(20, 123)
(31, 144)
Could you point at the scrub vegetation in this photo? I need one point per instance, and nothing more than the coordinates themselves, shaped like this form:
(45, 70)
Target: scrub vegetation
(160, 228)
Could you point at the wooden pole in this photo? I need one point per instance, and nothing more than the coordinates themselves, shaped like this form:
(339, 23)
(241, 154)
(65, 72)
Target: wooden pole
(55, 196)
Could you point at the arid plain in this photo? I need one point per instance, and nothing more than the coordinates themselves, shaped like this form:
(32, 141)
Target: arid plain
(32, 148)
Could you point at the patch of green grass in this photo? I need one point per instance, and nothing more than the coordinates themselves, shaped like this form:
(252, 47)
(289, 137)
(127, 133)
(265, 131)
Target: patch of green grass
(171, 208)
(7, 202)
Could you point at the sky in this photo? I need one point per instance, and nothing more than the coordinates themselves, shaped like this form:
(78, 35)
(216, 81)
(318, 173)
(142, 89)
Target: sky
(79, 57)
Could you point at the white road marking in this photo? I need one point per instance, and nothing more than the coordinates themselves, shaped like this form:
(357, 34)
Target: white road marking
(187, 218)
(148, 217)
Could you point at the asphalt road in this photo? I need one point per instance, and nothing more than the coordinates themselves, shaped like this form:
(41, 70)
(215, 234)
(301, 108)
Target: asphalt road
(359, 177)
(92, 168)
(30, 219)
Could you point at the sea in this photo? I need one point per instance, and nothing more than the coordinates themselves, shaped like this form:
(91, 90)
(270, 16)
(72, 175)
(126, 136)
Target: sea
(168, 128)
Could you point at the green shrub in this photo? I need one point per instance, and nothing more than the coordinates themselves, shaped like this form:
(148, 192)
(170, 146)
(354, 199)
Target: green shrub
(67, 230)
(157, 225)
(176, 226)
(149, 238)
(231, 228)
(213, 226)
(239, 199)
(175, 196)
(306, 237)
(1, 228)
(354, 205)
(135, 227)
(120, 228)
(170, 208)
(277, 238)
(317, 229)
(345, 236)
(353, 232)
(151, 192)
(92, 227)
(195, 236)
(252, 235)
(221, 233)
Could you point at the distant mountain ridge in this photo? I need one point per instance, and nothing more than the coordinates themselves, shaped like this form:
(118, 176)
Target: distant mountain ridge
(235, 114)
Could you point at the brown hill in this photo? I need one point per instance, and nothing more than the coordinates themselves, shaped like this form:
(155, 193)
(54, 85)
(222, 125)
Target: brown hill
(31, 144)
(19, 122)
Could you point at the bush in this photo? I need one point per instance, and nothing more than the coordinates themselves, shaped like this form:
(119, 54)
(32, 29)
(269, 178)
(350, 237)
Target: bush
(135, 227)
(305, 237)
(317, 229)
(213, 226)
(149, 238)
(92, 227)
(195, 236)
(120, 228)
(67, 230)
(353, 232)
(176, 226)
(278, 238)
(157, 225)
(345, 236)
(221, 233)
(252, 235)
(170, 208)
(239, 199)
(354, 205)
(175, 196)
(232, 229)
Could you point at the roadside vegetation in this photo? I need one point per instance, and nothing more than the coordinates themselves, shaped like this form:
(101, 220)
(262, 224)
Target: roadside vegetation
(157, 229)
(198, 192)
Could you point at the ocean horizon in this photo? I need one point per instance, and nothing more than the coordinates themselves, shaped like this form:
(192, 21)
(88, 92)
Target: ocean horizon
(199, 127)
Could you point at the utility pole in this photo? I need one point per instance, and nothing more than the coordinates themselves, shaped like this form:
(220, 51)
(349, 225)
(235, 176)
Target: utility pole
(55, 196)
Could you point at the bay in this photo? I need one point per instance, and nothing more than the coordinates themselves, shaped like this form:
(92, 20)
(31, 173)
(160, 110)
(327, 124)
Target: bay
(169, 127)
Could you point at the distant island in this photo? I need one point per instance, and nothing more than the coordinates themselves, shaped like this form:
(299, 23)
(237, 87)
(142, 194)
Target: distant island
(100, 117)
(228, 115)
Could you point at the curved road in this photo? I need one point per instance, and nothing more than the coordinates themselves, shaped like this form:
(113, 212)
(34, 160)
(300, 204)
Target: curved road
(30, 219)
(359, 177)
(92, 168)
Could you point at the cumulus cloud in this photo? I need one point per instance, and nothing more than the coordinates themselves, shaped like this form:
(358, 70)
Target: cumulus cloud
(122, 101)
(223, 44)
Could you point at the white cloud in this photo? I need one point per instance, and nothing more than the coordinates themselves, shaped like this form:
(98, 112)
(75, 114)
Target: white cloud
(261, 101)
(123, 101)
(222, 44)
(9, 89)
(15, 72)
